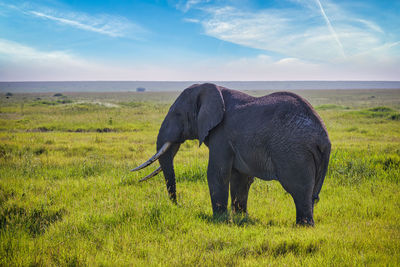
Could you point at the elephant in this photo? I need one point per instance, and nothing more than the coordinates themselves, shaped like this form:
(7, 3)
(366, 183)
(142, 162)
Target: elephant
(274, 137)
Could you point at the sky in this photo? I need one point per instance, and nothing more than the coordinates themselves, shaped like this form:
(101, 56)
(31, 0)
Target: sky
(199, 40)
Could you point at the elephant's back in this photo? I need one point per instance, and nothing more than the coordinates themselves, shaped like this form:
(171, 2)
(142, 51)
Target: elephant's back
(278, 119)
(293, 111)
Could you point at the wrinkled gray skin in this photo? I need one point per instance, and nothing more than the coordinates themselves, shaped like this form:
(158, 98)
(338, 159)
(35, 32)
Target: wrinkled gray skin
(274, 137)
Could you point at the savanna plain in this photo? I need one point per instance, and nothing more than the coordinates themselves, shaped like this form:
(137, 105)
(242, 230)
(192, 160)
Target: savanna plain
(67, 196)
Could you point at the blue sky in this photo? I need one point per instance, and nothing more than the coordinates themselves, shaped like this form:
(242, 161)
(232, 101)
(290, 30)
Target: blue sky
(199, 40)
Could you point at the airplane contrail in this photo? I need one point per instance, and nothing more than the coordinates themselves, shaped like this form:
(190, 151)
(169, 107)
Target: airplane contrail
(331, 29)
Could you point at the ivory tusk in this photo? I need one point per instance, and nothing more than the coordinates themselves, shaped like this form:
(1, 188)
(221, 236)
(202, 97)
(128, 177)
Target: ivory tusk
(154, 173)
(162, 150)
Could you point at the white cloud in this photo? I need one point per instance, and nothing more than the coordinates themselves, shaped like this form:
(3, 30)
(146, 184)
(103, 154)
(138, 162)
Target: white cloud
(114, 26)
(370, 25)
(17, 51)
(19, 62)
(186, 5)
(310, 32)
(191, 20)
(263, 68)
(106, 29)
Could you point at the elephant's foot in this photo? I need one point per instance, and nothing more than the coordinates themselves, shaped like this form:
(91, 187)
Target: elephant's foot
(304, 221)
(239, 208)
(221, 216)
(239, 211)
(172, 197)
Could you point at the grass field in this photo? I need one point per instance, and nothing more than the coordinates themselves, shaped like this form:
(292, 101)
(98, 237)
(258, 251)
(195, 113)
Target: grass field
(67, 196)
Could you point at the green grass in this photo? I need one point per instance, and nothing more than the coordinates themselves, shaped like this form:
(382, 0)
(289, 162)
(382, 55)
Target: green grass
(67, 196)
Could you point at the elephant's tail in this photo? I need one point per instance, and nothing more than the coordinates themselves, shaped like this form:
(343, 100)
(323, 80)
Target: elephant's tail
(321, 169)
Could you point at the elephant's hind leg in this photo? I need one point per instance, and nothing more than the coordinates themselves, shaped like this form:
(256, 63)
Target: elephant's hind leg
(298, 181)
(304, 208)
(239, 187)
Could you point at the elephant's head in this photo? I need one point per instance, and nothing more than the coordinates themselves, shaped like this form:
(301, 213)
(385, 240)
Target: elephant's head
(196, 111)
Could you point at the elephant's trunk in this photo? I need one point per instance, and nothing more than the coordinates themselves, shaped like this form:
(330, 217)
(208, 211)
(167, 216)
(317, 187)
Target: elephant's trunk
(166, 152)
(167, 165)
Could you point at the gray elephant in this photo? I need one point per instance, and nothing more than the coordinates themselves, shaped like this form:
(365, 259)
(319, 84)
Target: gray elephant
(274, 137)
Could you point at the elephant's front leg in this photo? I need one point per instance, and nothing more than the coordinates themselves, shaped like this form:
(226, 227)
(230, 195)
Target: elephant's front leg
(218, 176)
(240, 185)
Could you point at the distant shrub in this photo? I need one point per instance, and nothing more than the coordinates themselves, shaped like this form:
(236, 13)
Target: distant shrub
(64, 101)
(381, 109)
(379, 112)
(58, 94)
(395, 117)
(9, 94)
(47, 103)
(52, 103)
(104, 130)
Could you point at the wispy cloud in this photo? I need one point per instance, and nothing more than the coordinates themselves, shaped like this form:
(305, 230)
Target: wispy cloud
(17, 51)
(186, 5)
(262, 68)
(304, 32)
(108, 28)
(191, 20)
(20, 62)
(331, 29)
(113, 26)
(371, 25)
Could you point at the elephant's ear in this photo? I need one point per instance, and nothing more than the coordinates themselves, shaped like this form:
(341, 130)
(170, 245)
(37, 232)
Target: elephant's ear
(211, 108)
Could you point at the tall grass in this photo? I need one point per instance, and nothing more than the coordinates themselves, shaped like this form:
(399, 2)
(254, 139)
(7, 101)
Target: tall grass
(67, 196)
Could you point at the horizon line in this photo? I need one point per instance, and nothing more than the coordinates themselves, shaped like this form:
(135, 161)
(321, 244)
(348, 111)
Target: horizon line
(205, 81)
